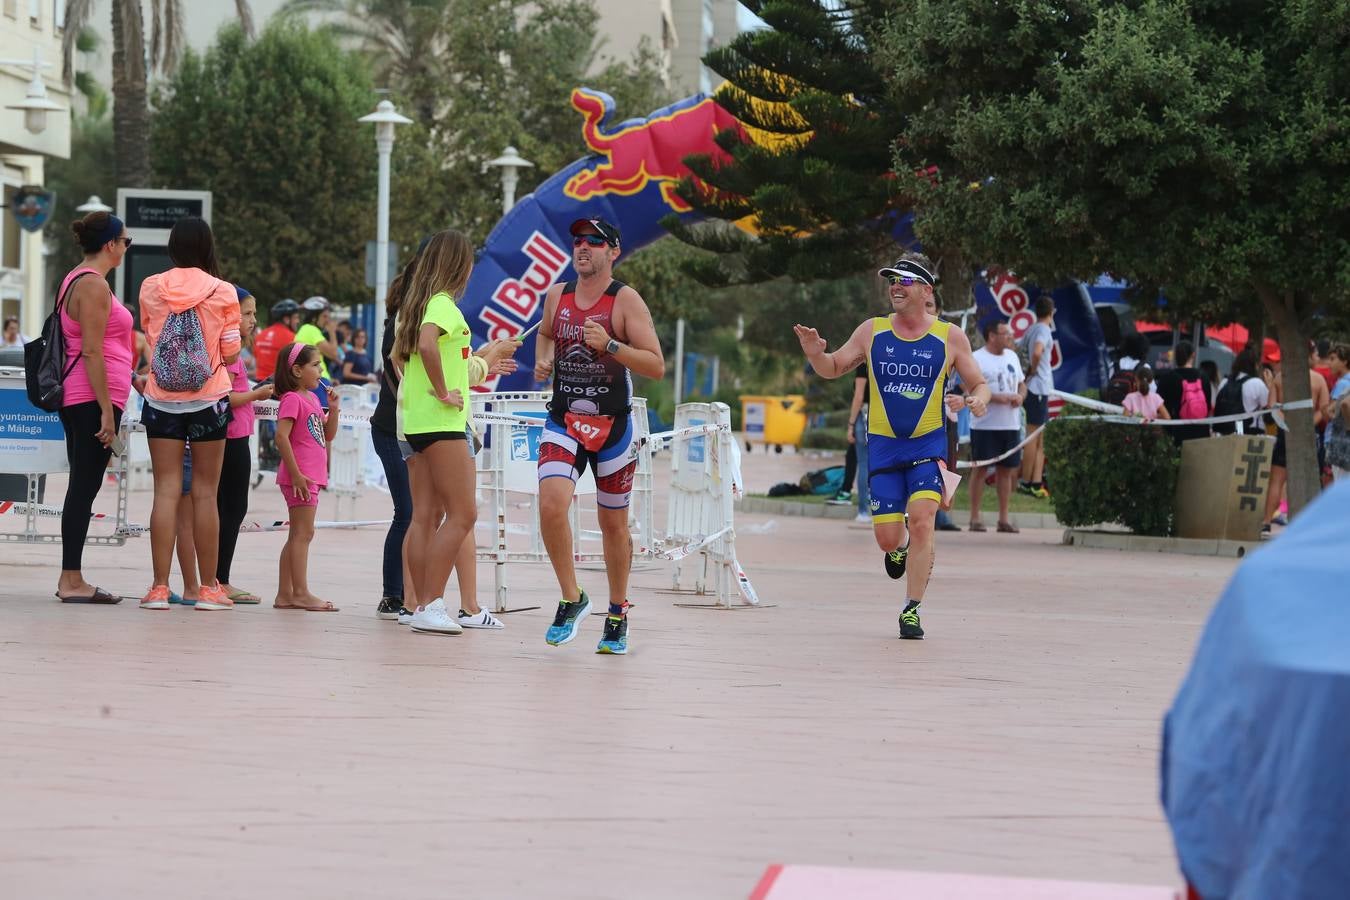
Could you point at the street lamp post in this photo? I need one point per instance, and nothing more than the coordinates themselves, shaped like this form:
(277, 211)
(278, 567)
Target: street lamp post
(385, 118)
(35, 104)
(510, 162)
(93, 204)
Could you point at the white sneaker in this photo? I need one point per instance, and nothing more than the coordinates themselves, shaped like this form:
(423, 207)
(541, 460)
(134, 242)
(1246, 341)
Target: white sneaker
(434, 619)
(480, 619)
(863, 517)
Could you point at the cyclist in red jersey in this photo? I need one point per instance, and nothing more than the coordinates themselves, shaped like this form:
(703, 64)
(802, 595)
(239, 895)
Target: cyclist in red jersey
(268, 343)
(595, 332)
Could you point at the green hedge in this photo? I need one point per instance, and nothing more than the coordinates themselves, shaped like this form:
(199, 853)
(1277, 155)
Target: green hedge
(1104, 472)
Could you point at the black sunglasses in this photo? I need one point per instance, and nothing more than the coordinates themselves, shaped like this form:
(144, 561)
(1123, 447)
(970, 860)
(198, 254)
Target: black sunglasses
(592, 240)
(126, 241)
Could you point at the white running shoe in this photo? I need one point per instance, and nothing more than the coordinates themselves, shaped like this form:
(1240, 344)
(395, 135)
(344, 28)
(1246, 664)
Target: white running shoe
(863, 517)
(434, 619)
(480, 619)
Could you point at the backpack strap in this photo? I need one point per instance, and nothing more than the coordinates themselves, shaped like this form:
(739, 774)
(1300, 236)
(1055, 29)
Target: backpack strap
(60, 305)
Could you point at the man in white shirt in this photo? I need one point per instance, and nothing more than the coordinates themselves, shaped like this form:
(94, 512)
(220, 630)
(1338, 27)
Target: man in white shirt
(999, 429)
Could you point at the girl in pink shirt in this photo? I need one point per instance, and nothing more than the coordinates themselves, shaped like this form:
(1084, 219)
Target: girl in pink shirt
(1144, 401)
(302, 440)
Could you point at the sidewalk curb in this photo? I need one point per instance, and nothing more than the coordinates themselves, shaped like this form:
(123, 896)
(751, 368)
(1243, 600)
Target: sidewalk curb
(774, 507)
(1139, 543)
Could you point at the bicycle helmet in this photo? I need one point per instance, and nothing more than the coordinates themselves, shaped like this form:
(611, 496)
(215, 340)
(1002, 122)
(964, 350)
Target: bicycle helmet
(283, 308)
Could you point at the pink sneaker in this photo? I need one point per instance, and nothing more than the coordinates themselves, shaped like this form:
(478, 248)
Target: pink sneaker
(157, 598)
(214, 597)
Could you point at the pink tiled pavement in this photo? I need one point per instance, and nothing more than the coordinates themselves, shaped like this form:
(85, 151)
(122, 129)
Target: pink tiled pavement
(258, 753)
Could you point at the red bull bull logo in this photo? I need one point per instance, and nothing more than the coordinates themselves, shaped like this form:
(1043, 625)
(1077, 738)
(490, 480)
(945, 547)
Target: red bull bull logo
(643, 151)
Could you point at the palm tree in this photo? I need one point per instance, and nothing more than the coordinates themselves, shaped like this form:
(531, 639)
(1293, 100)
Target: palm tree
(131, 110)
(405, 40)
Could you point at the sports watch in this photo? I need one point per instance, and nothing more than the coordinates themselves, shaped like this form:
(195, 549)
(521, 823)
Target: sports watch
(612, 347)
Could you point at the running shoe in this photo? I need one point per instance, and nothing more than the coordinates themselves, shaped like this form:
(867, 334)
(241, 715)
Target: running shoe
(1026, 487)
(214, 598)
(156, 598)
(910, 629)
(434, 619)
(615, 638)
(1039, 492)
(480, 619)
(388, 608)
(843, 498)
(895, 562)
(863, 517)
(565, 622)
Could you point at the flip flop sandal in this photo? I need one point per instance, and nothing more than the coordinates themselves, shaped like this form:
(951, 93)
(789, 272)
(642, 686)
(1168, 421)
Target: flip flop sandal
(1008, 528)
(245, 597)
(100, 597)
(977, 527)
(327, 607)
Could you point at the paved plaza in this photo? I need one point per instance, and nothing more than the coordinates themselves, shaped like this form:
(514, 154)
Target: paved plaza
(264, 753)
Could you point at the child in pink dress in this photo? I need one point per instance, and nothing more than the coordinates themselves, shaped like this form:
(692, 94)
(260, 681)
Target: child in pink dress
(302, 439)
(1144, 401)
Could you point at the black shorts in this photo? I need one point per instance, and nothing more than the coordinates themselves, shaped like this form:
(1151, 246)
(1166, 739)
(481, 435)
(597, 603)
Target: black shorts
(420, 442)
(989, 443)
(1037, 407)
(200, 427)
(1277, 456)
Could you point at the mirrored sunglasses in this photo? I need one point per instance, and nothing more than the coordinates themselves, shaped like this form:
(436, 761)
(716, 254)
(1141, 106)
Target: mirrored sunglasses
(592, 240)
(906, 280)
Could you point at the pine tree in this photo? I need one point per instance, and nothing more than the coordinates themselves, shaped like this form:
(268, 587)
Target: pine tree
(816, 178)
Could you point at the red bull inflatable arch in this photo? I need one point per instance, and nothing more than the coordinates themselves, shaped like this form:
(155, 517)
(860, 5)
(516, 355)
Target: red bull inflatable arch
(628, 179)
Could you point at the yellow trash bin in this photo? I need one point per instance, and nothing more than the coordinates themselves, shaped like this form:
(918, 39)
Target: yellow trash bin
(773, 420)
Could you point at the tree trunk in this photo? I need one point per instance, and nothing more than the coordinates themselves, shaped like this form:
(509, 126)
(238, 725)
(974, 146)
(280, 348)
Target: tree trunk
(131, 112)
(1255, 323)
(956, 281)
(1305, 480)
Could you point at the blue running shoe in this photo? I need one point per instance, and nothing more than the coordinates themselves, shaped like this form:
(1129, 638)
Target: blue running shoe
(615, 639)
(569, 616)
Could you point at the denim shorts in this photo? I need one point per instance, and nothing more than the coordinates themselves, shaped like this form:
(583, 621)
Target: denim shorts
(201, 426)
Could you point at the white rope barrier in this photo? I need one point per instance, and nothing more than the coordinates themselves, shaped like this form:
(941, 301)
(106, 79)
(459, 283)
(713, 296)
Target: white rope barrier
(1116, 414)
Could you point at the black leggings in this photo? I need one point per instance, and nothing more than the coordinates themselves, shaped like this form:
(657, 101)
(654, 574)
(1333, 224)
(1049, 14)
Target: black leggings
(850, 466)
(232, 501)
(88, 463)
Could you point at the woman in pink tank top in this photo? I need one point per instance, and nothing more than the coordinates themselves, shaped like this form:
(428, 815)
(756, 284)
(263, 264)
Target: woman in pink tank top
(99, 342)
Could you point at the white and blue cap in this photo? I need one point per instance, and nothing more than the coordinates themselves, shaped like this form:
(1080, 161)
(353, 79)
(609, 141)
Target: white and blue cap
(908, 268)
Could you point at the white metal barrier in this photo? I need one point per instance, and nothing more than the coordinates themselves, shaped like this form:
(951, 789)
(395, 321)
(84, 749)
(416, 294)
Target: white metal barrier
(704, 485)
(705, 480)
(33, 445)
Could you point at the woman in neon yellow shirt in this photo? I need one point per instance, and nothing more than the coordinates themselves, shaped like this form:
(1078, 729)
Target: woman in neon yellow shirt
(432, 345)
(317, 332)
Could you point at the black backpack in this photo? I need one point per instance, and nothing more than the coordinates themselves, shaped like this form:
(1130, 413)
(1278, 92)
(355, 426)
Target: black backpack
(1229, 403)
(1119, 387)
(44, 359)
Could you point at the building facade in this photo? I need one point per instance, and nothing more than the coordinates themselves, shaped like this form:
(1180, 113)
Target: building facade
(27, 26)
(681, 31)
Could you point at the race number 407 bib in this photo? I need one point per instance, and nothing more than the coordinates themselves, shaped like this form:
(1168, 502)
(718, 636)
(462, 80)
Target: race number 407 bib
(590, 431)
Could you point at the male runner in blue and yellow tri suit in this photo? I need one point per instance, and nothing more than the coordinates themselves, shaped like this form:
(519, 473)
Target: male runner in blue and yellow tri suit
(908, 355)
